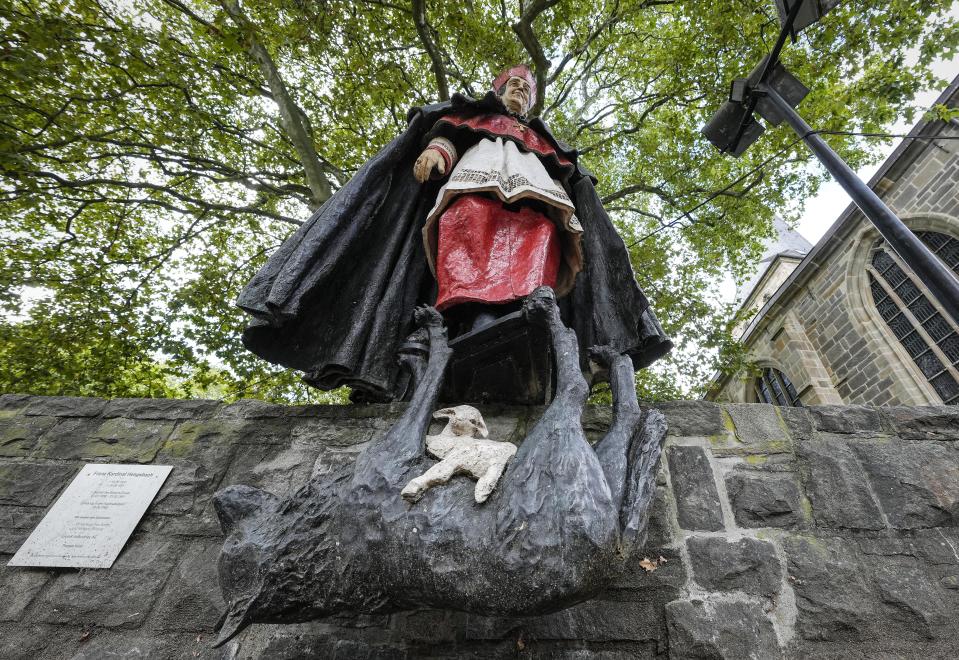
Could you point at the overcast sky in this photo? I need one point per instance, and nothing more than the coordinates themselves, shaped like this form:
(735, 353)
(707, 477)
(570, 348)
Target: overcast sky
(823, 209)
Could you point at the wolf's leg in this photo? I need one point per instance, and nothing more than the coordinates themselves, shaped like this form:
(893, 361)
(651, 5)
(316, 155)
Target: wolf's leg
(399, 448)
(644, 454)
(540, 308)
(612, 451)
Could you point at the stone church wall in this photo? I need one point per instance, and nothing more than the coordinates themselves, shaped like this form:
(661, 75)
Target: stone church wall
(819, 532)
(827, 336)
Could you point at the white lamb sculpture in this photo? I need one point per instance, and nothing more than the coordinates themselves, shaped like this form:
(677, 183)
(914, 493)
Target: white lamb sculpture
(462, 448)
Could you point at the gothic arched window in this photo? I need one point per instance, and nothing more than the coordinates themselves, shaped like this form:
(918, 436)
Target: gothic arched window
(772, 386)
(930, 338)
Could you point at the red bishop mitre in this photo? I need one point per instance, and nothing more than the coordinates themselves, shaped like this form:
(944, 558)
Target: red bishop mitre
(520, 71)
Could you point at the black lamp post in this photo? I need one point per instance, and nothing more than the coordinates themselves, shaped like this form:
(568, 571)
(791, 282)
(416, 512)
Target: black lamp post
(774, 93)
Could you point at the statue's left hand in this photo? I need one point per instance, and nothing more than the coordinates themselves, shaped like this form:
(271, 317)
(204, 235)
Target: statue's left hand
(423, 167)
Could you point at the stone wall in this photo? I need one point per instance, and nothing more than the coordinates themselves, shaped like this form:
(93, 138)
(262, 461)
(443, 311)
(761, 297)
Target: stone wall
(840, 350)
(799, 533)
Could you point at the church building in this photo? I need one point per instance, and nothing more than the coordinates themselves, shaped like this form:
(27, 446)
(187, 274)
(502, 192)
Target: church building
(846, 321)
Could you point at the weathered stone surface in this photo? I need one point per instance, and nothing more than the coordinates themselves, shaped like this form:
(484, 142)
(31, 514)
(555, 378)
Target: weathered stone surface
(188, 602)
(836, 485)
(16, 523)
(917, 483)
(120, 597)
(916, 606)
(14, 402)
(862, 591)
(428, 626)
(251, 409)
(757, 424)
(33, 484)
(65, 406)
(693, 418)
(720, 631)
(798, 421)
(926, 423)
(669, 575)
(845, 419)
(697, 500)
(115, 598)
(19, 435)
(761, 499)
(114, 440)
(19, 586)
(747, 565)
(161, 408)
(834, 595)
(594, 620)
(114, 645)
(20, 641)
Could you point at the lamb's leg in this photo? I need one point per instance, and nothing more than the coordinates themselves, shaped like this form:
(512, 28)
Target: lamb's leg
(393, 454)
(435, 476)
(487, 482)
(613, 450)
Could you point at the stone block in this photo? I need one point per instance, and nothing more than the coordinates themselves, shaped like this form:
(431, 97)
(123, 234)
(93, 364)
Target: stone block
(834, 594)
(429, 626)
(14, 403)
(837, 486)
(748, 565)
(117, 440)
(251, 409)
(120, 597)
(757, 424)
(922, 423)
(845, 419)
(663, 583)
(170, 409)
(33, 484)
(917, 483)
(65, 406)
(117, 645)
(720, 631)
(593, 621)
(697, 500)
(797, 420)
(275, 469)
(19, 586)
(16, 523)
(915, 606)
(761, 499)
(22, 641)
(191, 600)
(693, 418)
(659, 532)
(19, 435)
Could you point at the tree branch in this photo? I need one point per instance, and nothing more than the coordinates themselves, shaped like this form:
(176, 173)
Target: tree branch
(432, 49)
(291, 116)
(524, 30)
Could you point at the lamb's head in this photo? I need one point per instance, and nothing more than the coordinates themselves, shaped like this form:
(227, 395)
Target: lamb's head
(463, 421)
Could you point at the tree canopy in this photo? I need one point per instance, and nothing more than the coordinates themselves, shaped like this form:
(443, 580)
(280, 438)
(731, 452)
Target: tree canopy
(153, 154)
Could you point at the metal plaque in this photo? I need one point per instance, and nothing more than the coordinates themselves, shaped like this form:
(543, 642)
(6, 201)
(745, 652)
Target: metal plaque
(89, 524)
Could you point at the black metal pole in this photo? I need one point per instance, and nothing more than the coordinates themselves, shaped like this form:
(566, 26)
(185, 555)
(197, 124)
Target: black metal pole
(932, 272)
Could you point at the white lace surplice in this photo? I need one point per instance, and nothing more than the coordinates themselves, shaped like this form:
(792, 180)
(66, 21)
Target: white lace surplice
(501, 168)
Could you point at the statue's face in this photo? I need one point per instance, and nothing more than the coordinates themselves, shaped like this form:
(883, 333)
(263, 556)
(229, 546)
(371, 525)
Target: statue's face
(516, 95)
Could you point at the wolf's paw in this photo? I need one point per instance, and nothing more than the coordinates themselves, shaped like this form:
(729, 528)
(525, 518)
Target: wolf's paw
(427, 317)
(539, 306)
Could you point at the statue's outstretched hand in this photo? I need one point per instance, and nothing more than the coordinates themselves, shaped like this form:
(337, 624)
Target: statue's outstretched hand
(423, 167)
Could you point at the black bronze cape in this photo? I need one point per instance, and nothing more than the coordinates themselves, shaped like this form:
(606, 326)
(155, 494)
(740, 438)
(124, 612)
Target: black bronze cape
(336, 300)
